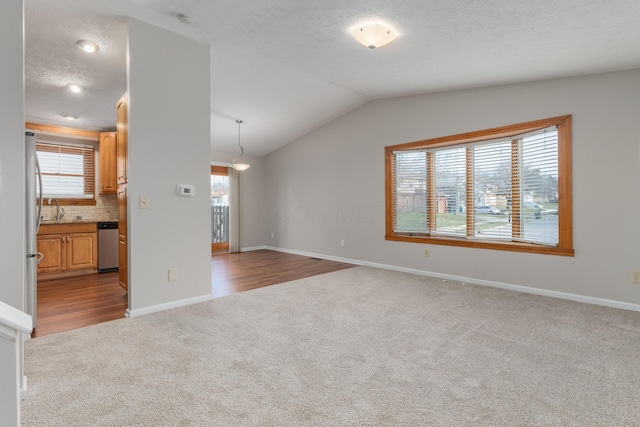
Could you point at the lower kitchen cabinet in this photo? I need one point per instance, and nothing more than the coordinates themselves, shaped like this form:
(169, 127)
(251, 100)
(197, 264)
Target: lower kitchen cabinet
(67, 249)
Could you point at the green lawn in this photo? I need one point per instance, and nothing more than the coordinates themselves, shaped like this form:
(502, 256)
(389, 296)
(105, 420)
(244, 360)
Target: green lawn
(418, 220)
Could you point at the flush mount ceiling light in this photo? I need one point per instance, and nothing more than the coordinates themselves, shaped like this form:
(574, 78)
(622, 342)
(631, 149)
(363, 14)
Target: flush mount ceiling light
(75, 88)
(235, 164)
(87, 46)
(374, 34)
(70, 117)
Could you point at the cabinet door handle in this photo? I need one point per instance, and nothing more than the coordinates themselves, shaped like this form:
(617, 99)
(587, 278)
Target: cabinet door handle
(68, 239)
(62, 239)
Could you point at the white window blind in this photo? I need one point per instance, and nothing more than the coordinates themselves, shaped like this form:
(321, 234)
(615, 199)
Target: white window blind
(539, 186)
(512, 178)
(450, 179)
(410, 191)
(492, 188)
(68, 171)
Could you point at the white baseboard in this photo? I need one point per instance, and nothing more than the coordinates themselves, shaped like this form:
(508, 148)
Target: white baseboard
(518, 288)
(166, 306)
(314, 255)
(253, 248)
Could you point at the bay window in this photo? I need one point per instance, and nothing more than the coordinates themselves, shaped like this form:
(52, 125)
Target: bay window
(505, 188)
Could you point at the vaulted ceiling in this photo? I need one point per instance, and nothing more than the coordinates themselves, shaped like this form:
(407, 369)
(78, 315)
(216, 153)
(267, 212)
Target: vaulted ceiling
(286, 67)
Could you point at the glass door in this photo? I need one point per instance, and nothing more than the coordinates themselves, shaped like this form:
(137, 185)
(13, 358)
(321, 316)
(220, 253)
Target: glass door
(219, 209)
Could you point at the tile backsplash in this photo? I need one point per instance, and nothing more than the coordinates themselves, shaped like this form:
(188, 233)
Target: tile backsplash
(106, 209)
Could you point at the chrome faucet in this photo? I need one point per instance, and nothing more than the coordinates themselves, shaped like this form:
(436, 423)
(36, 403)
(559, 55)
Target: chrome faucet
(59, 214)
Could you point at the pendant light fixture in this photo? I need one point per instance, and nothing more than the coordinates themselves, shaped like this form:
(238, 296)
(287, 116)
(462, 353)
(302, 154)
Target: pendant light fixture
(235, 163)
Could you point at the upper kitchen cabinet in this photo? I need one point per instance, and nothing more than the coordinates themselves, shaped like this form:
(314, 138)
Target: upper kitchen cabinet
(122, 144)
(108, 163)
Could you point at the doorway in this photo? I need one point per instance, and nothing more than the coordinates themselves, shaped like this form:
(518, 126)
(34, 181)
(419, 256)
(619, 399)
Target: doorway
(219, 209)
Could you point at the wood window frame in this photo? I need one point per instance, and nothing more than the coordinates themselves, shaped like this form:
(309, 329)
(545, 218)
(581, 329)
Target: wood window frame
(74, 133)
(565, 200)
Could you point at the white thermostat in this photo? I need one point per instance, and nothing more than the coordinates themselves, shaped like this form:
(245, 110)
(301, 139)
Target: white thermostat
(186, 190)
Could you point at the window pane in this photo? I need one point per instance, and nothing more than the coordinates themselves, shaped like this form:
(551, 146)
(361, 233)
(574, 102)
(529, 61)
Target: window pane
(492, 190)
(450, 192)
(67, 170)
(219, 208)
(219, 190)
(540, 187)
(410, 191)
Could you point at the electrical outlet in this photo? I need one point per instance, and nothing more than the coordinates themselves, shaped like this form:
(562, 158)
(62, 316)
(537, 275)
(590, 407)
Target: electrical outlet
(273, 235)
(172, 275)
(426, 253)
(635, 276)
(342, 243)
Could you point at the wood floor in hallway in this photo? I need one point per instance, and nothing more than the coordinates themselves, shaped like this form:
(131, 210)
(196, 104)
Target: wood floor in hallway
(75, 302)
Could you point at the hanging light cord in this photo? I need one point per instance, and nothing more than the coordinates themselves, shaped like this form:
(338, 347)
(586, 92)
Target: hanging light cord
(239, 122)
(235, 164)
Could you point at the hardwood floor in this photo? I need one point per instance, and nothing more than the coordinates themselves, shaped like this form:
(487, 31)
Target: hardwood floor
(238, 272)
(74, 302)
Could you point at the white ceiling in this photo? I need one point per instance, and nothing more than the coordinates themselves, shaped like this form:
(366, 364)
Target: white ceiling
(286, 67)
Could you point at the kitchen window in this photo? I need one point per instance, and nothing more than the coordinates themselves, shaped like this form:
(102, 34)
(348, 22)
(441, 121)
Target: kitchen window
(506, 188)
(68, 172)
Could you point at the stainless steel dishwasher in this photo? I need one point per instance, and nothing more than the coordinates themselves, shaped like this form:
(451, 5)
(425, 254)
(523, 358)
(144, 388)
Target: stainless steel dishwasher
(107, 246)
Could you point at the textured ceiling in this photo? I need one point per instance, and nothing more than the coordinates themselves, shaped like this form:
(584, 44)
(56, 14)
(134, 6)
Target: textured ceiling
(286, 67)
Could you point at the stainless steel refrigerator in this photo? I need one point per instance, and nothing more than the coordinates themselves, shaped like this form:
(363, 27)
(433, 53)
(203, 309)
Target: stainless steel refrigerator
(33, 211)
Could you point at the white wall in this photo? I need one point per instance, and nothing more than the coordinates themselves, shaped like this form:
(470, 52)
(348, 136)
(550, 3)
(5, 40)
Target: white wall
(168, 80)
(329, 185)
(12, 203)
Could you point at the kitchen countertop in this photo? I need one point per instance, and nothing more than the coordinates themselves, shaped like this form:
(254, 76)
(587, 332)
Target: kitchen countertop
(67, 227)
(75, 221)
(51, 222)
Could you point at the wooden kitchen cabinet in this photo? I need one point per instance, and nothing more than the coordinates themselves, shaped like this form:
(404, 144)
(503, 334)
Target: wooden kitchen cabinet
(108, 163)
(123, 257)
(68, 249)
(52, 247)
(82, 251)
(123, 187)
(121, 141)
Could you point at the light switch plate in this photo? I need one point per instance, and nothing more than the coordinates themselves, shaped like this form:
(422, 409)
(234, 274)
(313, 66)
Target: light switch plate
(144, 202)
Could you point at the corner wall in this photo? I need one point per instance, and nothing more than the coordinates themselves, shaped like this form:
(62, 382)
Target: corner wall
(329, 185)
(12, 161)
(12, 200)
(168, 80)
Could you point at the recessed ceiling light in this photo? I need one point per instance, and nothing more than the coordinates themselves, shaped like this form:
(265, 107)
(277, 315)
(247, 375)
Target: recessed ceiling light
(70, 117)
(75, 88)
(373, 34)
(87, 46)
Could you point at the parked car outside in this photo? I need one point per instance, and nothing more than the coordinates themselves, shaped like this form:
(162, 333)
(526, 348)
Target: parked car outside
(487, 209)
(532, 205)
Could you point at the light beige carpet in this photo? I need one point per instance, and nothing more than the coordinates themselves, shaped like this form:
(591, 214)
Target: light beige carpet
(358, 347)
